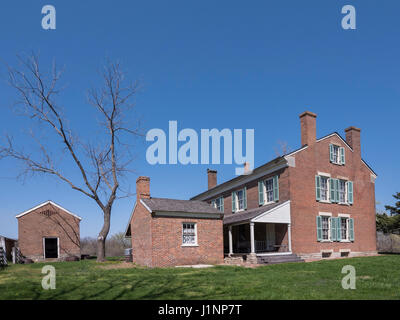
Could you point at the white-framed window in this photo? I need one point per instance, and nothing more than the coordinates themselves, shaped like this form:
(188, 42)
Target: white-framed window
(339, 228)
(337, 154)
(239, 200)
(334, 190)
(326, 227)
(324, 189)
(189, 234)
(344, 229)
(342, 191)
(269, 190)
(218, 204)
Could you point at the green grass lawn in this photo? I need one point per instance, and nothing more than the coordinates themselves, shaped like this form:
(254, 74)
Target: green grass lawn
(377, 278)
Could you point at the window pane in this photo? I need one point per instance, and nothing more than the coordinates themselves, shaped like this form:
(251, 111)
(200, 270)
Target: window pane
(324, 188)
(219, 203)
(240, 199)
(343, 223)
(188, 233)
(325, 228)
(269, 189)
(335, 154)
(342, 191)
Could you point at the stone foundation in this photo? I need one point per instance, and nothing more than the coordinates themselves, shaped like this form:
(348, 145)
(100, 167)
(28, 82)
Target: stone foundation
(329, 254)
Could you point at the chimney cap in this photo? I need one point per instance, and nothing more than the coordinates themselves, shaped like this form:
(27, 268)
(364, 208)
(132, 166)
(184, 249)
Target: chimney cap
(211, 171)
(308, 113)
(142, 178)
(352, 128)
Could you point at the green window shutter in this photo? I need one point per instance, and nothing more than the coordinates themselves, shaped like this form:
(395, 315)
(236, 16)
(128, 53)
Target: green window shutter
(319, 228)
(233, 202)
(318, 187)
(276, 188)
(333, 229)
(332, 190)
(342, 156)
(338, 229)
(222, 206)
(351, 229)
(245, 198)
(350, 192)
(331, 152)
(260, 193)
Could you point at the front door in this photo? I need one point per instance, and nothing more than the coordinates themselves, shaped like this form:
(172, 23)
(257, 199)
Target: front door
(50, 248)
(270, 237)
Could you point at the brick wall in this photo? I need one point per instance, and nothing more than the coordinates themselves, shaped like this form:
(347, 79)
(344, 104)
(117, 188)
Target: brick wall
(157, 241)
(141, 225)
(167, 242)
(35, 226)
(252, 191)
(305, 208)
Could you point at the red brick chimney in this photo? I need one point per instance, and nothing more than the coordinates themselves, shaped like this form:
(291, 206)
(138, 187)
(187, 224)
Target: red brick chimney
(143, 188)
(353, 138)
(212, 178)
(308, 123)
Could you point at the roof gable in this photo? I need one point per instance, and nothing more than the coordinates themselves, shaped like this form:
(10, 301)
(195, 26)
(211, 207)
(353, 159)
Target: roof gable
(46, 203)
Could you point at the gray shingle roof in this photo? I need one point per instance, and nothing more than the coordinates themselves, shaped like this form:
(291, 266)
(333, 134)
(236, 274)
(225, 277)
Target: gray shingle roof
(248, 214)
(173, 205)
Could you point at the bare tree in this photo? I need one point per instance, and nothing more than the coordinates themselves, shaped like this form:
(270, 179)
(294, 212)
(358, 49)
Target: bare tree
(283, 148)
(102, 159)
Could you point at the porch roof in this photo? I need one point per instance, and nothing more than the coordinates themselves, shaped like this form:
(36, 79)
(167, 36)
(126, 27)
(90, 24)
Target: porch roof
(277, 212)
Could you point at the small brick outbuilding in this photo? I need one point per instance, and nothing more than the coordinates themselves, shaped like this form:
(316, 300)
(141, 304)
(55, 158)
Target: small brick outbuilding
(170, 232)
(48, 231)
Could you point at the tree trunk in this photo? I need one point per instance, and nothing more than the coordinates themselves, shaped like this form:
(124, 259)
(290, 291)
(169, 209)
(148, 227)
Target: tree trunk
(101, 239)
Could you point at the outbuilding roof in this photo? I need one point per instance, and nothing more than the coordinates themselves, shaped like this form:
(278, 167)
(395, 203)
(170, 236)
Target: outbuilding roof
(46, 203)
(174, 205)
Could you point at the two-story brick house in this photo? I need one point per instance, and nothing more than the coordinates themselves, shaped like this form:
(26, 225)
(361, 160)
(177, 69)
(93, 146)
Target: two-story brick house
(318, 201)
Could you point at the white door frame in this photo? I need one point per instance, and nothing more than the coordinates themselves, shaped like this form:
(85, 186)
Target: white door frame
(44, 246)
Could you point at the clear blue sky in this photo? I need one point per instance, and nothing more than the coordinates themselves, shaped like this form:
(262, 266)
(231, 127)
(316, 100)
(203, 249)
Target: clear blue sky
(212, 64)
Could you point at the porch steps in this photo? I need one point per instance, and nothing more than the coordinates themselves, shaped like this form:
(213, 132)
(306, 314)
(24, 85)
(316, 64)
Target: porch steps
(279, 259)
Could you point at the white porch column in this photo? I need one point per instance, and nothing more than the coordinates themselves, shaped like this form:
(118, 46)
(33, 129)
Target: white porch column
(289, 237)
(230, 241)
(253, 250)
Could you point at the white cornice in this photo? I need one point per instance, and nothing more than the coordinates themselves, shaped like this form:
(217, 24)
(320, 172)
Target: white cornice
(45, 203)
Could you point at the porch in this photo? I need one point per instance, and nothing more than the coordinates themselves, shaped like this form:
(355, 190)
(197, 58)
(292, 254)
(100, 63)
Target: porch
(259, 232)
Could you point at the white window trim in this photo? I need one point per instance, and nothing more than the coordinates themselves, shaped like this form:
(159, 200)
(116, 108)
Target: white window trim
(339, 162)
(347, 228)
(265, 191)
(328, 176)
(195, 235)
(346, 201)
(215, 203)
(237, 200)
(328, 194)
(344, 215)
(329, 215)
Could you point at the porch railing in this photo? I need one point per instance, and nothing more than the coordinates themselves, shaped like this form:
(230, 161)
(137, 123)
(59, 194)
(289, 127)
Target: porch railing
(260, 246)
